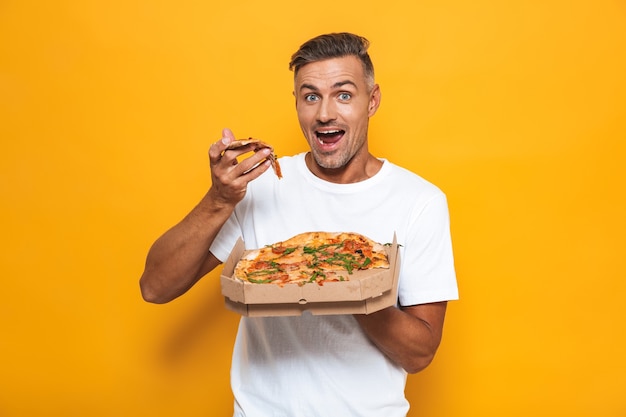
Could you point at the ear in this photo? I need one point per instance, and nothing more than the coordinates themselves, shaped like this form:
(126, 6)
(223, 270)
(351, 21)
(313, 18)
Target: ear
(375, 97)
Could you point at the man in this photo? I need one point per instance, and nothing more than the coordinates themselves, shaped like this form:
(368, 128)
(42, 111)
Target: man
(340, 365)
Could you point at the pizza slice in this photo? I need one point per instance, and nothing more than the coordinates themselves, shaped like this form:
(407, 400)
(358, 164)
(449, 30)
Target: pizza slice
(255, 145)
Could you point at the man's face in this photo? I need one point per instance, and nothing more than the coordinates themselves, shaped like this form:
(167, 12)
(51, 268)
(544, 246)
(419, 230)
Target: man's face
(334, 104)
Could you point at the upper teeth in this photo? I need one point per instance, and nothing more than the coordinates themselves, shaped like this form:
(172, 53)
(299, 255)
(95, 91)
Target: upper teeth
(329, 132)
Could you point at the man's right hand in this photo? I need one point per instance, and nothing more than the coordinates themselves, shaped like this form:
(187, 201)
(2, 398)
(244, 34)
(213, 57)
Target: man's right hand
(229, 177)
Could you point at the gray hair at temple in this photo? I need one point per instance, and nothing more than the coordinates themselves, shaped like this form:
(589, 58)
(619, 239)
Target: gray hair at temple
(334, 45)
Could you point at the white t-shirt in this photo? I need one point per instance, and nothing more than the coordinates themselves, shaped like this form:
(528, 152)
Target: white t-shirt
(324, 366)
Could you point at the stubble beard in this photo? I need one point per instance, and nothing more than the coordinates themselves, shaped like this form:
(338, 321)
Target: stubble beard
(331, 160)
(338, 158)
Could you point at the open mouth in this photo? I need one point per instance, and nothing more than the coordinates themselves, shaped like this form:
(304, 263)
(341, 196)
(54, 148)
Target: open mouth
(329, 137)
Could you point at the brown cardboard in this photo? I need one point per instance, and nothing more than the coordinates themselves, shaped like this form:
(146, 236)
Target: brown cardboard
(366, 291)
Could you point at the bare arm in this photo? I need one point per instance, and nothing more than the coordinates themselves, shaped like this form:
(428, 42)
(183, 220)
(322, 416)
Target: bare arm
(180, 257)
(409, 336)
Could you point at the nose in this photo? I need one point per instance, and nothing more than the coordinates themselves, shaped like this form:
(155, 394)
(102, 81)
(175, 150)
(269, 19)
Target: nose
(326, 111)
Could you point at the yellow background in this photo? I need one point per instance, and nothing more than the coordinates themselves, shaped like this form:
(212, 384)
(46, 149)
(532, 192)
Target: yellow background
(107, 109)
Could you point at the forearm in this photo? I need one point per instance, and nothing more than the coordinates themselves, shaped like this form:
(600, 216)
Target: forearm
(179, 258)
(409, 337)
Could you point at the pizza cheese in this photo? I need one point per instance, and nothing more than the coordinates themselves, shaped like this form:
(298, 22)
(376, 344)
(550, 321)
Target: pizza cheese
(312, 257)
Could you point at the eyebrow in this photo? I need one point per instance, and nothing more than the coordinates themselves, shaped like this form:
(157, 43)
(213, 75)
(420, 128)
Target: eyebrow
(338, 84)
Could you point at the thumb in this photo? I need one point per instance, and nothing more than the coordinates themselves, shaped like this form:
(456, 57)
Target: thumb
(228, 134)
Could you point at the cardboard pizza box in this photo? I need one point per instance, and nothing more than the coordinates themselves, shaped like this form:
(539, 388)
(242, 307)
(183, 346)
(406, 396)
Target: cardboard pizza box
(366, 292)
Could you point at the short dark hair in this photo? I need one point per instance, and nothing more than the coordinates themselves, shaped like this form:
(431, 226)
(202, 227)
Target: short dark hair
(334, 45)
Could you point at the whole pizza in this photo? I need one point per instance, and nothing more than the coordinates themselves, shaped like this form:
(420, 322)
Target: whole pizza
(312, 257)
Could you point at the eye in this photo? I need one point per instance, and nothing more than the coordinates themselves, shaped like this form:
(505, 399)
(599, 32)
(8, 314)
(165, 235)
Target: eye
(310, 98)
(345, 96)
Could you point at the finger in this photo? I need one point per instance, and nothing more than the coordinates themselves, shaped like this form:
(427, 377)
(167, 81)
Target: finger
(257, 170)
(227, 133)
(217, 148)
(251, 163)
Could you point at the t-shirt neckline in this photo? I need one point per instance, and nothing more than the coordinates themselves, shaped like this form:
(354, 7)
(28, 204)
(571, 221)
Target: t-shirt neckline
(335, 187)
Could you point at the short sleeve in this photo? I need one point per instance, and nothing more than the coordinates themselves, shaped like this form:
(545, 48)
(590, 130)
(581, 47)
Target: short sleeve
(427, 271)
(225, 240)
